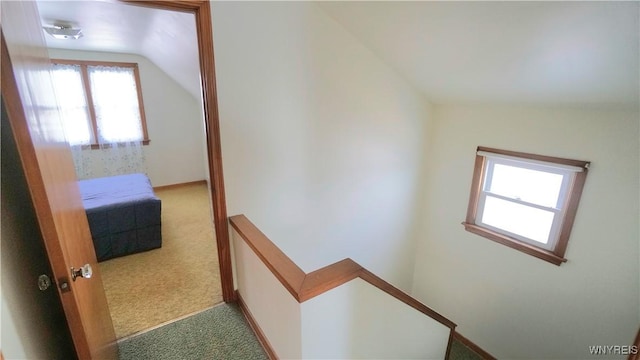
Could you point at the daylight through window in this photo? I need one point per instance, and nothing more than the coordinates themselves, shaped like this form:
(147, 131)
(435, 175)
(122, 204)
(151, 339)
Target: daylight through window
(100, 102)
(525, 201)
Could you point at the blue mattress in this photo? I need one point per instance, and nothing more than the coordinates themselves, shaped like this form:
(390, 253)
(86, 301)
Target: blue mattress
(123, 213)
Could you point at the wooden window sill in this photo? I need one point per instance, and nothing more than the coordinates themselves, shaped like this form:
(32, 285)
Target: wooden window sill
(543, 254)
(106, 146)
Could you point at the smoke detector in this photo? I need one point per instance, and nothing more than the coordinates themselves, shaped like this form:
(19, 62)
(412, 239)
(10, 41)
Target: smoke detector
(63, 32)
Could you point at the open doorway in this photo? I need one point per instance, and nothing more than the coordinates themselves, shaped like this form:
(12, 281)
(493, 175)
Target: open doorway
(124, 281)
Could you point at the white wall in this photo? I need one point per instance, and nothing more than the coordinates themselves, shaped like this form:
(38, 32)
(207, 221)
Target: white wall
(12, 343)
(174, 121)
(353, 321)
(271, 305)
(512, 304)
(322, 142)
(358, 321)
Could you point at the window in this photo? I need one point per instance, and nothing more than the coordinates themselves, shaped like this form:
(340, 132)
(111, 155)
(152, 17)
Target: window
(100, 102)
(524, 201)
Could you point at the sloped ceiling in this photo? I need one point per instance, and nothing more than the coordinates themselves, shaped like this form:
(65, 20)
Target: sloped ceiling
(166, 38)
(505, 52)
(550, 53)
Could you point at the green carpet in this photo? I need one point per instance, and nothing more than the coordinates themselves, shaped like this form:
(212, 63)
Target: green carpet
(218, 333)
(461, 352)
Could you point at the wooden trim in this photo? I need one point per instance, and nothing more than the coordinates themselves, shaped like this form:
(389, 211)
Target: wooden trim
(287, 272)
(327, 278)
(90, 105)
(475, 348)
(86, 82)
(376, 281)
(189, 6)
(179, 185)
(554, 256)
(551, 159)
(262, 338)
(165, 323)
(143, 117)
(304, 287)
(202, 11)
(476, 184)
(212, 124)
(570, 214)
(543, 254)
(116, 144)
(635, 348)
(94, 63)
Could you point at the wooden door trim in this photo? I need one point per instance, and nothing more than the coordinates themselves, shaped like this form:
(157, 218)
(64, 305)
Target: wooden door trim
(204, 28)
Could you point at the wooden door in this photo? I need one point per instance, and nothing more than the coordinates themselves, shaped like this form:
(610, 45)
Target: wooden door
(48, 166)
(38, 316)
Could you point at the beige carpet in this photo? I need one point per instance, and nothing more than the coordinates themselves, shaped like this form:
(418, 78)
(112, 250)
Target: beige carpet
(182, 277)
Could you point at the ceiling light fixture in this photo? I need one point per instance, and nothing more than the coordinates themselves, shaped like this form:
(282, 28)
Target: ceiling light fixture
(62, 32)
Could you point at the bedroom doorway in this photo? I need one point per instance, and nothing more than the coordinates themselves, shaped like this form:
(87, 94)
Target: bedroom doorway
(176, 196)
(176, 280)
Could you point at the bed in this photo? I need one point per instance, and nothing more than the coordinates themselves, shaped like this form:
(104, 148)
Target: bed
(123, 214)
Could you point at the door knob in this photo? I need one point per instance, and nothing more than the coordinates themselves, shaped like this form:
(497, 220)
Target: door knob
(83, 272)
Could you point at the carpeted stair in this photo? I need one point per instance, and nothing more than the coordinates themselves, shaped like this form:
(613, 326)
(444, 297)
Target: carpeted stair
(221, 332)
(218, 333)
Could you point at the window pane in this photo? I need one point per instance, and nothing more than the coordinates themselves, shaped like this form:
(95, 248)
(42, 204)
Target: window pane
(531, 223)
(537, 187)
(115, 98)
(72, 104)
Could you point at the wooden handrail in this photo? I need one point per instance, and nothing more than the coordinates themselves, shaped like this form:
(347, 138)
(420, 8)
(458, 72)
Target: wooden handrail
(304, 286)
(287, 272)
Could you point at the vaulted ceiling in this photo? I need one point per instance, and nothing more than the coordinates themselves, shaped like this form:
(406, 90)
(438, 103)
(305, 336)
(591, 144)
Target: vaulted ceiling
(551, 53)
(166, 38)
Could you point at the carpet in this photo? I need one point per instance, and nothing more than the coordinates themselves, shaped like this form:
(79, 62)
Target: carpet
(461, 352)
(182, 277)
(218, 333)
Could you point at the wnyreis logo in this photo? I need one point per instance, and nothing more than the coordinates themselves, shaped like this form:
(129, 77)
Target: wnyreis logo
(613, 349)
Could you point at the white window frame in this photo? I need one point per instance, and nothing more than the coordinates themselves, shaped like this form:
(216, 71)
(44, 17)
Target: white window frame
(558, 210)
(573, 174)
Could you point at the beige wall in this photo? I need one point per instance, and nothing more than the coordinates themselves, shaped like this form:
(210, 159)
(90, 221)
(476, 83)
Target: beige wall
(325, 148)
(175, 124)
(359, 321)
(322, 142)
(512, 304)
(274, 309)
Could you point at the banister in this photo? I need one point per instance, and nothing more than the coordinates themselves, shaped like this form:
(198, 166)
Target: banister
(284, 269)
(304, 286)
(328, 277)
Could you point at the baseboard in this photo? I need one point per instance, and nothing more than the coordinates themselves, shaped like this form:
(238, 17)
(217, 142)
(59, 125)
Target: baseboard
(475, 348)
(256, 328)
(173, 186)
